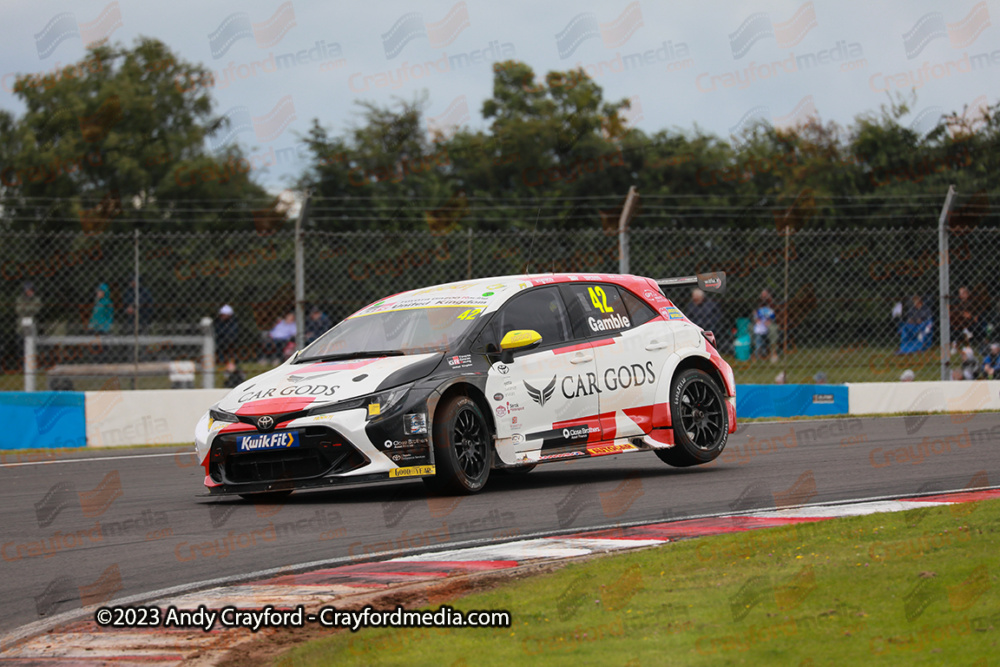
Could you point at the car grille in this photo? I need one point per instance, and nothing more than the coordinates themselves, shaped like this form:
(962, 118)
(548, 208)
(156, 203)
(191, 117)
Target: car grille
(321, 451)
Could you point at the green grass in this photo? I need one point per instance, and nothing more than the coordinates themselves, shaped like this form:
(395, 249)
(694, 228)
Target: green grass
(830, 593)
(858, 364)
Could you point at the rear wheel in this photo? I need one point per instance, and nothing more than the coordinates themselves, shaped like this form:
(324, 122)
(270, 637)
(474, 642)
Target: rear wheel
(700, 420)
(463, 448)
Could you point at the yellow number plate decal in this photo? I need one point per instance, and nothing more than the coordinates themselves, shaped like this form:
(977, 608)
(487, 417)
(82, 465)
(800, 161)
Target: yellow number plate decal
(413, 471)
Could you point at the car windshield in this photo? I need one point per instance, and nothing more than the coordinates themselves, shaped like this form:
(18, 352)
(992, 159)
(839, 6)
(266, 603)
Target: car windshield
(409, 331)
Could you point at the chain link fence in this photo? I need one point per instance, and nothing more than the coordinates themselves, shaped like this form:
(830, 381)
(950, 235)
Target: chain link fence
(853, 305)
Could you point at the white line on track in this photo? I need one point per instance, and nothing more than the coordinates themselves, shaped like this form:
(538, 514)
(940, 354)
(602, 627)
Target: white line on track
(90, 458)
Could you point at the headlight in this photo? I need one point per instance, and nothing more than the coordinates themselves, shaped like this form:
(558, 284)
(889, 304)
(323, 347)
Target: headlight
(220, 416)
(383, 403)
(376, 404)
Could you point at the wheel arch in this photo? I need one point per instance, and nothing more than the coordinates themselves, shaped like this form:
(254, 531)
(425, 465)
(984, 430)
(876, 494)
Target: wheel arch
(455, 387)
(676, 363)
(702, 364)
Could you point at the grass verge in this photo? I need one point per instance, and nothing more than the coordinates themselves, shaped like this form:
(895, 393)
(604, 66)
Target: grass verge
(914, 587)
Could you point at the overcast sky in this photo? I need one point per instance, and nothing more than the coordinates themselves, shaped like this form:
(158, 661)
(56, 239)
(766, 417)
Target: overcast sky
(713, 63)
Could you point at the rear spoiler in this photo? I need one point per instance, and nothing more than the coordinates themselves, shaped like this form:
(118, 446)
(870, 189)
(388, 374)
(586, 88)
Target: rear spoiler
(710, 282)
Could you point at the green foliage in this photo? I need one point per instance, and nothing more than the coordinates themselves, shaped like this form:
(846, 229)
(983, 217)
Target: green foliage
(554, 144)
(115, 138)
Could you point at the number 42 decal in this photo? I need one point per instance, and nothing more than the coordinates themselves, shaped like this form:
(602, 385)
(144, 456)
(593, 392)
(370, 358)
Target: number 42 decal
(469, 314)
(599, 299)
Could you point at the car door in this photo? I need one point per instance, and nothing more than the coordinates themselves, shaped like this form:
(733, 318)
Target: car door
(630, 345)
(546, 400)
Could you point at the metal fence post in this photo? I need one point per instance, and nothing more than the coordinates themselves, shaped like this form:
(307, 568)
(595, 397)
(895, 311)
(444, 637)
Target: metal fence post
(300, 275)
(30, 353)
(135, 307)
(627, 211)
(943, 285)
(468, 256)
(207, 354)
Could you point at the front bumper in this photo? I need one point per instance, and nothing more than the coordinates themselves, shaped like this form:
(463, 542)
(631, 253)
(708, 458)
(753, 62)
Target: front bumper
(334, 449)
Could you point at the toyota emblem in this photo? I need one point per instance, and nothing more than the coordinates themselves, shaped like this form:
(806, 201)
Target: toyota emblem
(265, 423)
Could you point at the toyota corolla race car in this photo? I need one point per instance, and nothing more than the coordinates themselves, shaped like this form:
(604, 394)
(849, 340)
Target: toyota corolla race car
(450, 382)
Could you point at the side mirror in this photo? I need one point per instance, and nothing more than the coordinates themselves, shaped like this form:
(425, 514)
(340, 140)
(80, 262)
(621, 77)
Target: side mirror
(519, 339)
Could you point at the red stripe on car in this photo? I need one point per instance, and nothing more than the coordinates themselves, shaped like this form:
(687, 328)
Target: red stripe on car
(275, 406)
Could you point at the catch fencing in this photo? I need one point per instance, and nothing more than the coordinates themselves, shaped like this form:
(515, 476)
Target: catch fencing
(843, 296)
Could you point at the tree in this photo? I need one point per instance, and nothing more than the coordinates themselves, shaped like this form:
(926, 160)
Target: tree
(126, 126)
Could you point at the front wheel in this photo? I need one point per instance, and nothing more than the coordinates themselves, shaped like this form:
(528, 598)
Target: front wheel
(700, 420)
(463, 449)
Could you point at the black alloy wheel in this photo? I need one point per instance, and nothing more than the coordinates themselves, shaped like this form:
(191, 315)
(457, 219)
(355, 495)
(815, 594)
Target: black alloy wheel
(463, 448)
(700, 419)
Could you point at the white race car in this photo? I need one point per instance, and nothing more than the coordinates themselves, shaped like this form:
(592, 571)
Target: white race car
(450, 382)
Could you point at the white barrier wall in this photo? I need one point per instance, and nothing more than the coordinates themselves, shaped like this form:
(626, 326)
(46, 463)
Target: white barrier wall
(152, 417)
(168, 416)
(889, 397)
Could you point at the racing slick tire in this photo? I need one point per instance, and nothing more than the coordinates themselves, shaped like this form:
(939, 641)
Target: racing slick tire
(700, 420)
(267, 497)
(463, 448)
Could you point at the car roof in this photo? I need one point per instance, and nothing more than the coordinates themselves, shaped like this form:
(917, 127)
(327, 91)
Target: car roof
(490, 293)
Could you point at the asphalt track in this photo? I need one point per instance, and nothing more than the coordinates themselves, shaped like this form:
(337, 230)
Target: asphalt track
(92, 526)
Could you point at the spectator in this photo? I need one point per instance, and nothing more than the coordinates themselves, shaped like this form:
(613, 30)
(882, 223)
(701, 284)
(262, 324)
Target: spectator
(780, 378)
(145, 306)
(916, 332)
(991, 364)
(820, 378)
(227, 332)
(970, 365)
(103, 315)
(907, 376)
(316, 324)
(965, 325)
(282, 339)
(28, 304)
(234, 377)
(765, 329)
(704, 313)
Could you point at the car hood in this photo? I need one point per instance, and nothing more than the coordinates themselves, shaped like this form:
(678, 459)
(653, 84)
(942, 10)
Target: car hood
(294, 387)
